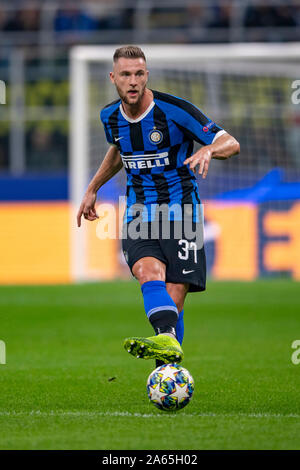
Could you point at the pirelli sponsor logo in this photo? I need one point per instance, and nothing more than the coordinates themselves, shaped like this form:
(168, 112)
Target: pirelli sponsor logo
(137, 162)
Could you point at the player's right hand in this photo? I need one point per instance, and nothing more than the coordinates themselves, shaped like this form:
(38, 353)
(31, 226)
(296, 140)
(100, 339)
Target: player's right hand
(87, 208)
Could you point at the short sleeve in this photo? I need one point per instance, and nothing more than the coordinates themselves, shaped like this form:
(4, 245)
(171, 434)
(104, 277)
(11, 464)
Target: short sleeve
(195, 125)
(106, 129)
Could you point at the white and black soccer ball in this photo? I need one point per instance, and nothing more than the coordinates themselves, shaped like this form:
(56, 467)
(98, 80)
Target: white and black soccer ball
(170, 387)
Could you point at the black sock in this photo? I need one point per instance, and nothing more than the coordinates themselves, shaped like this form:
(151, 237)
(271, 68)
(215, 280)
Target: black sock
(164, 321)
(159, 363)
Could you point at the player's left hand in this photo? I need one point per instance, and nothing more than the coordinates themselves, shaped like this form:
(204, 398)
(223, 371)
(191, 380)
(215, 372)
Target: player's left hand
(202, 158)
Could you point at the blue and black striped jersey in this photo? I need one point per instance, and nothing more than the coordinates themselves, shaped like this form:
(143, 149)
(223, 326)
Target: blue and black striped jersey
(154, 146)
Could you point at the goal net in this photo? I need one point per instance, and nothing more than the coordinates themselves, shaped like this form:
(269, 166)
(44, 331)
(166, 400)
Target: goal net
(251, 91)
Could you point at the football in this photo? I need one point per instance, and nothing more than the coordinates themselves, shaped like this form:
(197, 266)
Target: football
(170, 387)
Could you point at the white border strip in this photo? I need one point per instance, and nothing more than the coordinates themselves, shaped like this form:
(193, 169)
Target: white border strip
(127, 414)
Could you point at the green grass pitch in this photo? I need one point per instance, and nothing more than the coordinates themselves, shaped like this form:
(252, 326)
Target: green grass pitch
(65, 343)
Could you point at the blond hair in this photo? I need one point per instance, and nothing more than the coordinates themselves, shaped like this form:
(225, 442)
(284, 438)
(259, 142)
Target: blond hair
(129, 52)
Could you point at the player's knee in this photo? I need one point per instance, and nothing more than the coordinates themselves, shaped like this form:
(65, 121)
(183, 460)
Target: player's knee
(146, 270)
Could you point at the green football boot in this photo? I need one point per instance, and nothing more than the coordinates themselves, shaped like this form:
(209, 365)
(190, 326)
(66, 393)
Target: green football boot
(161, 347)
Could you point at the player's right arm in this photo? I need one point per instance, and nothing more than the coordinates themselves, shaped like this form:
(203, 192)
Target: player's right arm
(110, 166)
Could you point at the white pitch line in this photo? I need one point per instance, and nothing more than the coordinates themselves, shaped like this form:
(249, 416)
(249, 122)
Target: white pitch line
(95, 414)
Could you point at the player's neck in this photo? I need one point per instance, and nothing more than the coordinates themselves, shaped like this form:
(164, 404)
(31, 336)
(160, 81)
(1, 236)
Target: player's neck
(134, 111)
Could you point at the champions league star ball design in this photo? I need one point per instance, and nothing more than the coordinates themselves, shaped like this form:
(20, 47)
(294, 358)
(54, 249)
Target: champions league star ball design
(170, 387)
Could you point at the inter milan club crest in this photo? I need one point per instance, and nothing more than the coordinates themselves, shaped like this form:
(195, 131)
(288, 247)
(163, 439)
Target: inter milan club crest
(156, 136)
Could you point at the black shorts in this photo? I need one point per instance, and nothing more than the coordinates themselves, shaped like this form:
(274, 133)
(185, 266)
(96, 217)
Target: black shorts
(184, 257)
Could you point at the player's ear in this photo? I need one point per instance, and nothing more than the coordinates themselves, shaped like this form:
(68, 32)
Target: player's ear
(112, 77)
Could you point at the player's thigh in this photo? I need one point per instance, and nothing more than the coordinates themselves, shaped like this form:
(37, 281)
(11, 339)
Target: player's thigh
(148, 269)
(145, 259)
(178, 293)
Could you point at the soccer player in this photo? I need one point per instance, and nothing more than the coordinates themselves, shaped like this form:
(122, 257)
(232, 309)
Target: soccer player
(151, 134)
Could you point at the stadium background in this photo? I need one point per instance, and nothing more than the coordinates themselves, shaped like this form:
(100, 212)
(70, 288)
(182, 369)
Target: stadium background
(36, 38)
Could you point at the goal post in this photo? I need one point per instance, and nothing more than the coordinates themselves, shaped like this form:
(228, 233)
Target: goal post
(246, 88)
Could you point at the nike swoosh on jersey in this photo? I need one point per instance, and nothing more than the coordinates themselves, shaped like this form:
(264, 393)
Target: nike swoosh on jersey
(187, 272)
(118, 138)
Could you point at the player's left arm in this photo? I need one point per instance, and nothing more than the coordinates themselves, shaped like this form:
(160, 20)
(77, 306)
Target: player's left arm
(195, 125)
(222, 148)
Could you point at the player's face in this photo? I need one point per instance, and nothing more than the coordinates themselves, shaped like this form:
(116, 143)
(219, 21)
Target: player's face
(130, 77)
